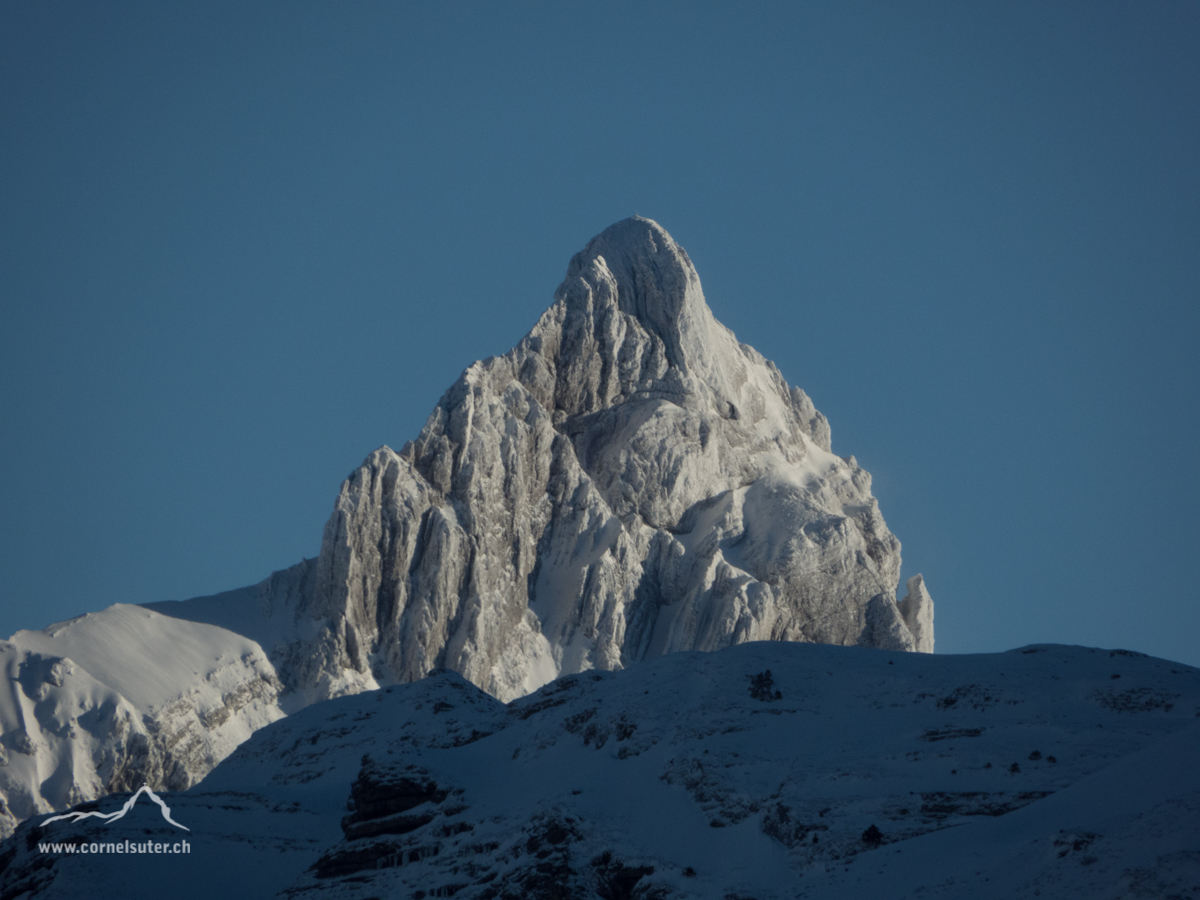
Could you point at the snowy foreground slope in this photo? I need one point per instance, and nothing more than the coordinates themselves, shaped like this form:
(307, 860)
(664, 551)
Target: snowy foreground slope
(767, 770)
(628, 481)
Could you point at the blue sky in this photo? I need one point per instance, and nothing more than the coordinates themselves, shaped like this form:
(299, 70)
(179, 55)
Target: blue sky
(242, 245)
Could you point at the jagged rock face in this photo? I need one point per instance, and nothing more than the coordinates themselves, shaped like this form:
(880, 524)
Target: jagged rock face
(628, 481)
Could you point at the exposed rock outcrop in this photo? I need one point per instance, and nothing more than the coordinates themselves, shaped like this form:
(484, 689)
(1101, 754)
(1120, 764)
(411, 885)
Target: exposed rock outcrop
(917, 610)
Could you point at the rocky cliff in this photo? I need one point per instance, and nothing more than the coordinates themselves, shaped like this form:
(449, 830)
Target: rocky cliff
(628, 481)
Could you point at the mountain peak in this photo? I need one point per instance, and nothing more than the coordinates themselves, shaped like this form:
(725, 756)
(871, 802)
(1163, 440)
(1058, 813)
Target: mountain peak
(632, 244)
(635, 266)
(628, 481)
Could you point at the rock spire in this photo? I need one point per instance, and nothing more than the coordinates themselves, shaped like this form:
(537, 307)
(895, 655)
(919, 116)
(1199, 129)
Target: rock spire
(629, 480)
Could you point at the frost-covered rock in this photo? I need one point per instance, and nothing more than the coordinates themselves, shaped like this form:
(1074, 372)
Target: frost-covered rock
(628, 481)
(917, 610)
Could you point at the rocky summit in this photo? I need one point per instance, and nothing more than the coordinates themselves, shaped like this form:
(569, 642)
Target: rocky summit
(627, 482)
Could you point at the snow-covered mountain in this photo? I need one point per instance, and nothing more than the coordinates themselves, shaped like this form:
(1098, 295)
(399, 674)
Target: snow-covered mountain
(767, 770)
(628, 481)
(113, 699)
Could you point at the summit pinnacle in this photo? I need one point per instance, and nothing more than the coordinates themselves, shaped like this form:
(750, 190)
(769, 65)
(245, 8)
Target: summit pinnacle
(628, 481)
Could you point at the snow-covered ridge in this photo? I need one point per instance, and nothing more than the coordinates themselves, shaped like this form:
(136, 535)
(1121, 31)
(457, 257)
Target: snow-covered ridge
(768, 770)
(110, 700)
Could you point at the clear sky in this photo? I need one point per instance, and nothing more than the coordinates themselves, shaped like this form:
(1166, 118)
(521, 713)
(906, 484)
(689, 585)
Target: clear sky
(242, 245)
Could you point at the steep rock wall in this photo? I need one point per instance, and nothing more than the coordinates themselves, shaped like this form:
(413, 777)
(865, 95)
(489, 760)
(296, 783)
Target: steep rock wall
(629, 480)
